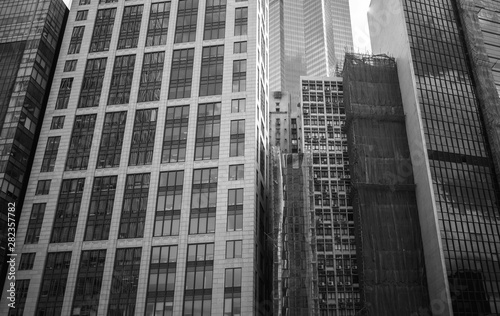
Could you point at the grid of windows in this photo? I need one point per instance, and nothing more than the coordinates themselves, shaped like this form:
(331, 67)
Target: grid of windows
(125, 280)
(93, 77)
(53, 286)
(103, 29)
(70, 65)
(67, 211)
(234, 249)
(21, 294)
(162, 270)
(236, 172)
(187, 16)
(241, 21)
(159, 17)
(208, 131)
(43, 187)
(181, 76)
(215, 19)
(237, 138)
(27, 260)
(57, 122)
(81, 142)
(240, 47)
(235, 210)
(35, 223)
(64, 93)
(131, 26)
(101, 208)
(239, 75)
(175, 137)
(135, 204)
(238, 105)
(88, 282)
(168, 207)
(75, 43)
(199, 278)
(121, 81)
(203, 201)
(143, 137)
(50, 156)
(81, 15)
(212, 68)
(151, 76)
(112, 140)
(232, 292)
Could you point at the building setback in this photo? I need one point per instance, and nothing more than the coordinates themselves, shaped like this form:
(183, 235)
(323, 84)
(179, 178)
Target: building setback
(155, 147)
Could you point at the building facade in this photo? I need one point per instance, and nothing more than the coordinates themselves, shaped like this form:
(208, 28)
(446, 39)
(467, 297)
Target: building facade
(153, 156)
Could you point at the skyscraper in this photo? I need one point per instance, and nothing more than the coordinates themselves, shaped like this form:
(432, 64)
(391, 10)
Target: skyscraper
(451, 106)
(154, 158)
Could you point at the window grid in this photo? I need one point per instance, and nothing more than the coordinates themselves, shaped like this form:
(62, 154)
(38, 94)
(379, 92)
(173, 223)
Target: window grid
(81, 15)
(103, 29)
(57, 122)
(93, 78)
(101, 208)
(50, 156)
(125, 279)
(199, 278)
(240, 47)
(203, 201)
(27, 260)
(175, 136)
(181, 76)
(232, 292)
(238, 105)
(134, 206)
(237, 138)
(215, 20)
(35, 223)
(234, 249)
(112, 140)
(70, 65)
(239, 75)
(88, 282)
(121, 81)
(21, 294)
(81, 142)
(143, 137)
(131, 27)
(212, 69)
(236, 172)
(159, 18)
(162, 272)
(235, 210)
(43, 187)
(187, 16)
(151, 76)
(75, 42)
(64, 93)
(208, 131)
(241, 21)
(67, 211)
(168, 209)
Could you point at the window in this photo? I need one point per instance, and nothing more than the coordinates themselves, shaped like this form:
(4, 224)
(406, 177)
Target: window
(207, 131)
(241, 21)
(240, 47)
(176, 130)
(187, 16)
(199, 278)
(131, 26)
(237, 141)
(235, 210)
(35, 223)
(124, 281)
(203, 201)
(234, 249)
(236, 172)
(121, 81)
(70, 65)
(111, 140)
(159, 17)
(81, 142)
(151, 76)
(43, 187)
(107, 1)
(212, 68)
(64, 93)
(75, 42)
(81, 15)
(53, 286)
(134, 206)
(181, 76)
(84, 2)
(103, 29)
(93, 78)
(101, 208)
(215, 19)
(238, 105)
(232, 292)
(57, 122)
(27, 260)
(239, 75)
(143, 137)
(168, 207)
(162, 271)
(50, 156)
(21, 294)
(88, 282)
(67, 210)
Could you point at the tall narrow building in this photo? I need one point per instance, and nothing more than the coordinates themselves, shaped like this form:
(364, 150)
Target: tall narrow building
(153, 159)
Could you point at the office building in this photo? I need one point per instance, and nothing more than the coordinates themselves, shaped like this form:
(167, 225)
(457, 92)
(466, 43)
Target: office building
(451, 105)
(153, 156)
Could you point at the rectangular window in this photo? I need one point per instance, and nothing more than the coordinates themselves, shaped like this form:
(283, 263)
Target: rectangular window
(112, 140)
(50, 156)
(53, 286)
(208, 131)
(237, 141)
(236, 172)
(238, 105)
(187, 16)
(43, 187)
(101, 208)
(81, 142)
(75, 43)
(70, 65)
(21, 294)
(131, 27)
(27, 260)
(143, 137)
(168, 207)
(134, 206)
(199, 278)
(162, 270)
(215, 20)
(35, 223)
(212, 68)
(232, 292)
(159, 17)
(203, 201)
(121, 81)
(235, 210)
(181, 76)
(239, 75)
(82, 15)
(151, 76)
(64, 93)
(88, 282)
(103, 29)
(93, 78)
(240, 47)
(124, 281)
(241, 21)
(107, 1)
(67, 211)
(57, 122)
(84, 2)
(234, 249)
(176, 130)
